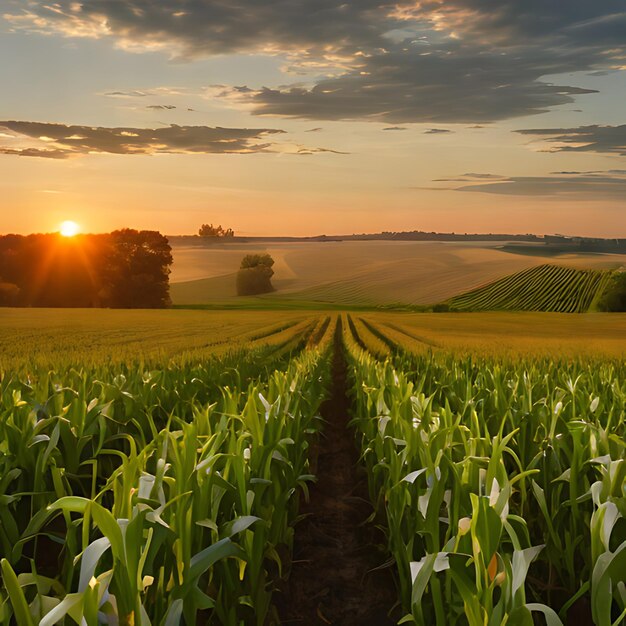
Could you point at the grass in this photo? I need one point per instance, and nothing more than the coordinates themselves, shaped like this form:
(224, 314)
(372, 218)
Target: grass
(355, 274)
(552, 288)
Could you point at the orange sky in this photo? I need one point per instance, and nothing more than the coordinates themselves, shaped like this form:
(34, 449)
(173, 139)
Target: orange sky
(362, 120)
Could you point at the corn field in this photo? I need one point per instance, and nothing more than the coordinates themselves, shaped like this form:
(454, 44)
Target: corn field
(146, 493)
(502, 484)
(156, 497)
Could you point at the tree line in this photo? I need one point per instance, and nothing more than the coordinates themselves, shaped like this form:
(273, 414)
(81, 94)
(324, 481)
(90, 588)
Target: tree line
(123, 269)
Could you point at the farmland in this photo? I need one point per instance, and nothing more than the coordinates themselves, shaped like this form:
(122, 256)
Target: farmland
(179, 467)
(60, 338)
(502, 485)
(154, 495)
(543, 288)
(359, 273)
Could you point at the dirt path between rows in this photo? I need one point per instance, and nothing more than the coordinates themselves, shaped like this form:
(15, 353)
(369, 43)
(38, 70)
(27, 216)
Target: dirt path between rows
(332, 579)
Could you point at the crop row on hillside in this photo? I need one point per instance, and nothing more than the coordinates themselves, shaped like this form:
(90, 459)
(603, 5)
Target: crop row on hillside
(544, 288)
(503, 485)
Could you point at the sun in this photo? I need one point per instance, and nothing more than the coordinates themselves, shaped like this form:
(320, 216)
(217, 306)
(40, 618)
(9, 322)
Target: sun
(69, 228)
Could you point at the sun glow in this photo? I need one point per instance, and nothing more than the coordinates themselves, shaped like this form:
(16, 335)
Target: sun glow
(69, 228)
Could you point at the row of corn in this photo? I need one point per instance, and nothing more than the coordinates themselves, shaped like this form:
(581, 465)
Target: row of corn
(158, 497)
(502, 485)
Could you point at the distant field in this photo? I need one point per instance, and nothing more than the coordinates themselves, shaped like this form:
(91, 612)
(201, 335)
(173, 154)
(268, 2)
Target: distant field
(554, 335)
(61, 337)
(544, 288)
(357, 273)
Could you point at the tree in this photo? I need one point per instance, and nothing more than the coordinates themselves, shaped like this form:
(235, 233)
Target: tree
(127, 268)
(9, 294)
(208, 230)
(613, 299)
(255, 275)
(136, 273)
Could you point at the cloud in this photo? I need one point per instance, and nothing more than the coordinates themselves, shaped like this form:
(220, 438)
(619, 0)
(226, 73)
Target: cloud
(574, 185)
(397, 61)
(46, 153)
(60, 141)
(595, 138)
(437, 131)
(395, 128)
(307, 150)
(513, 22)
(448, 83)
(127, 94)
(206, 27)
(161, 107)
(195, 28)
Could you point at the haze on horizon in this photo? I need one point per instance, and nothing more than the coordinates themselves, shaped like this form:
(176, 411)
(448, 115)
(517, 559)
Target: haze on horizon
(303, 117)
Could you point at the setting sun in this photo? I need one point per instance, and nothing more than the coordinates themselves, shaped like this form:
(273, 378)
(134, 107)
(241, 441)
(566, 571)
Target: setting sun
(69, 228)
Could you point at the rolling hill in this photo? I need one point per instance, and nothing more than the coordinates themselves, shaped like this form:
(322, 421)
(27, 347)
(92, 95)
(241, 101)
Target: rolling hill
(357, 273)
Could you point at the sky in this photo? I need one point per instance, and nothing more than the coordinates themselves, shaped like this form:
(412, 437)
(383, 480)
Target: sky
(304, 117)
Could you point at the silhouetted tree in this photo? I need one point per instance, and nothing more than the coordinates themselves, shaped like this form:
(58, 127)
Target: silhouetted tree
(127, 268)
(255, 275)
(208, 230)
(136, 270)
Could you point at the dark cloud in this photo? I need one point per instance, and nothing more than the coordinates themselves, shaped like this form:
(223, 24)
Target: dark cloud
(437, 131)
(161, 107)
(314, 130)
(405, 84)
(600, 139)
(200, 27)
(395, 128)
(590, 185)
(511, 22)
(63, 141)
(397, 61)
(36, 152)
(127, 94)
(307, 150)
(192, 28)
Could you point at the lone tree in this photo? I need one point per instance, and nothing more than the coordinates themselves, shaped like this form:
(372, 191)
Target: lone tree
(208, 230)
(255, 275)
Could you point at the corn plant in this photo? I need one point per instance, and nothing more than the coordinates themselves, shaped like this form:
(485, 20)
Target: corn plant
(484, 467)
(159, 497)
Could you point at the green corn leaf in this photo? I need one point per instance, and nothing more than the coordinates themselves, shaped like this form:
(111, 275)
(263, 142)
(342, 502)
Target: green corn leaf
(202, 561)
(16, 595)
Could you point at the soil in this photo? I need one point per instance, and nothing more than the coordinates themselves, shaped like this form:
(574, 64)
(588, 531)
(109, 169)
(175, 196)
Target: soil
(338, 573)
